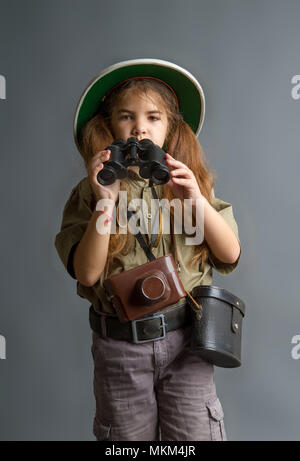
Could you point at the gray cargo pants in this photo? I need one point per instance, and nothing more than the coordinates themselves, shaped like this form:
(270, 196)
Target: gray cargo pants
(154, 391)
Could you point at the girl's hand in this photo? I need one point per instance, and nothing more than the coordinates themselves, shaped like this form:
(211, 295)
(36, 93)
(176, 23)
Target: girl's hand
(183, 182)
(96, 164)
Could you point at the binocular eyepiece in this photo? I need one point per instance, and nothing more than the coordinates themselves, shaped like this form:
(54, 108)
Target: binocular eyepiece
(148, 156)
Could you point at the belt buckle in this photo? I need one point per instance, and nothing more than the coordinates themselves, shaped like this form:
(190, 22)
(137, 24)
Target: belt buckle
(135, 333)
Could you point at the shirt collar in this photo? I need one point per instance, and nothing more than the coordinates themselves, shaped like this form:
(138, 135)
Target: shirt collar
(135, 177)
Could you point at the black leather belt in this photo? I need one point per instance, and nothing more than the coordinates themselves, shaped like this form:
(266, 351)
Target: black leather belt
(142, 330)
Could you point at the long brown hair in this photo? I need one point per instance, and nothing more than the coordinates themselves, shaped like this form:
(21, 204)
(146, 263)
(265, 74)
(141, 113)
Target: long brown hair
(180, 142)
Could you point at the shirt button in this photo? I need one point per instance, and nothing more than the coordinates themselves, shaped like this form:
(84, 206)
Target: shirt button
(149, 215)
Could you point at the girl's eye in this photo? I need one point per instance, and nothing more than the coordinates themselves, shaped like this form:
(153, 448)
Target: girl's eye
(129, 117)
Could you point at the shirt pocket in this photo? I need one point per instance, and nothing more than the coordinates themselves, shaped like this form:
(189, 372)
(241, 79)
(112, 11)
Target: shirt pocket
(216, 420)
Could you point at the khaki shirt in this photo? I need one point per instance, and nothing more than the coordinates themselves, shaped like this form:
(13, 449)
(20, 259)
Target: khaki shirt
(77, 214)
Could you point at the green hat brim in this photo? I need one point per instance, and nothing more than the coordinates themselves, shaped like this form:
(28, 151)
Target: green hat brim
(188, 90)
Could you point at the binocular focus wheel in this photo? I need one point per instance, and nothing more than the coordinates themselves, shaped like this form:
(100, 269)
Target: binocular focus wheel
(153, 287)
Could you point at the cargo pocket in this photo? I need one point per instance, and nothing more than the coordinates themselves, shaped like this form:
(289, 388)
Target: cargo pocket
(216, 420)
(101, 431)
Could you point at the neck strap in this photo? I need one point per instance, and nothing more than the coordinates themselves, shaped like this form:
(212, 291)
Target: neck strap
(142, 242)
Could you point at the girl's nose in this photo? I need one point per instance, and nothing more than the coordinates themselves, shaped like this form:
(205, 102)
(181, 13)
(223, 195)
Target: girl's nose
(139, 128)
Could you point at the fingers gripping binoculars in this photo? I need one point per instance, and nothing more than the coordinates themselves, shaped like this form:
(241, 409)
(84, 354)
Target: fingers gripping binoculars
(148, 156)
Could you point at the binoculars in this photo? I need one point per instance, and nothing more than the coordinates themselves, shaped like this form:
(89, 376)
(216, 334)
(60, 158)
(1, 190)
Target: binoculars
(148, 156)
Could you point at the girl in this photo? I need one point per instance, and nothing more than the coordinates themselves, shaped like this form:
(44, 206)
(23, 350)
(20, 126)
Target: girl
(147, 386)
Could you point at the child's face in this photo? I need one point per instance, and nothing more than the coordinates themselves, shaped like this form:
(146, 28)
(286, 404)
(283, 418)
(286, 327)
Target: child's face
(139, 116)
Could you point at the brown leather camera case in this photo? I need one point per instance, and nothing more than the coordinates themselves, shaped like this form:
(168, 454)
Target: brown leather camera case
(145, 289)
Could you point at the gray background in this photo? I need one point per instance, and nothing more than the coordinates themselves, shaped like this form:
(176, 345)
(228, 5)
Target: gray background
(244, 53)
